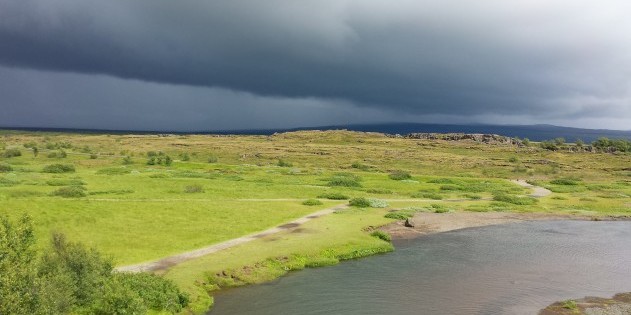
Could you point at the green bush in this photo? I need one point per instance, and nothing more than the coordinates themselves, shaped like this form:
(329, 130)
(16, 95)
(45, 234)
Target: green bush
(400, 175)
(5, 168)
(312, 202)
(59, 168)
(378, 191)
(359, 202)
(9, 153)
(377, 203)
(345, 180)
(113, 171)
(65, 182)
(565, 181)
(192, 189)
(70, 192)
(283, 163)
(333, 196)
(360, 166)
(516, 200)
(381, 235)
(5, 182)
(212, 159)
(93, 156)
(399, 215)
(427, 195)
(127, 160)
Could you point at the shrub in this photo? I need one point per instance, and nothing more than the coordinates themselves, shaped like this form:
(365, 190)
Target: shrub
(379, 191)
(381, 235)
(9, 153)
(312, 202)
(427, 195)
(59, 168)
(439, 208)
(399, 215)
(565, 181)
(185, 157)
(5, 168)
(516, 200)
(93, 156)
(345, 180)
(282, 163)
(113, 171)
(360, 166)
(191, 189)
(70, 192)
(400, 175)
(212, 159)
(127, 160)
(359, 202)
(5, 182)
(377, 203)
(65, 182)
(333, 196)
(513, 159)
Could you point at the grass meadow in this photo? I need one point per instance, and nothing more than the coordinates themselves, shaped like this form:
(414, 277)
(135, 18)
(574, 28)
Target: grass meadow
(142, 197)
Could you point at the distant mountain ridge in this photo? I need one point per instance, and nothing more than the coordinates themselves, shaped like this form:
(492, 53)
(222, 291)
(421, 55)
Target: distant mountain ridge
(532, 132)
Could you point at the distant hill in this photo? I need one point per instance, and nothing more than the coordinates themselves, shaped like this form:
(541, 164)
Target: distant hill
(532, 132)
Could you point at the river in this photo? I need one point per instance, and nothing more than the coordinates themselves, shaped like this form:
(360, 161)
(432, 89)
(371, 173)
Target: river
(506, 269)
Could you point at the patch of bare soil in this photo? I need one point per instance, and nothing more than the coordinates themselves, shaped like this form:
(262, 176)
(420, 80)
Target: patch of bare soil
(428, 223)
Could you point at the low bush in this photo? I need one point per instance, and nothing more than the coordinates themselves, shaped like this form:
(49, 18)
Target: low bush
(59, 168)
(378, 191)
(381, 235)
(345, 180)
(70, 192)
(5, 182)
(93, 156)
(212, 159)
(399, 175)
(113, 171)
(399, 215)
(283, 163)
(191, 189)
(333, 196)
(427, 195)
(436, 208)
(112, 191)
(516, 200)
(65, 182)
(377, 203)
(312, 202)
(565, 181)
(9, 153)
(359, 202)
(5, 168)
(360, 166)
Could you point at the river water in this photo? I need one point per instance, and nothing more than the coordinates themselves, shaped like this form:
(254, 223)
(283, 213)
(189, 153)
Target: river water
(506, 269)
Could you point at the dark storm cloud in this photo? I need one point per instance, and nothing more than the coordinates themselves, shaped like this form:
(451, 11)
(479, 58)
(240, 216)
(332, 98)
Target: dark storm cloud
(489, 57)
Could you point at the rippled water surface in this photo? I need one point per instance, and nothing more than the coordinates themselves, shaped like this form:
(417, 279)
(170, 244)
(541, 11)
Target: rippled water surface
(507, 269)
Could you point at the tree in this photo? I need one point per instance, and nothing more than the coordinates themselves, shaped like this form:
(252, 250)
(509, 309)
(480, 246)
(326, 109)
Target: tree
(17, 267)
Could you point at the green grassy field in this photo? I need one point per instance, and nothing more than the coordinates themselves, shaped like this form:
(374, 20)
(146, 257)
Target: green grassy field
(216, 188)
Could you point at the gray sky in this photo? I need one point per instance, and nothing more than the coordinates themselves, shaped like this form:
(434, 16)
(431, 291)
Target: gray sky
(205, 65)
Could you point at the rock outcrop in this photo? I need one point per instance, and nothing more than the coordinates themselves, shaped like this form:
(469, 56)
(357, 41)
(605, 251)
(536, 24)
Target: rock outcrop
(477, 137)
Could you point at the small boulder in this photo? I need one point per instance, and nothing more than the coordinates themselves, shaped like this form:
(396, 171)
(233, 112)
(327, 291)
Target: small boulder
(409, 223)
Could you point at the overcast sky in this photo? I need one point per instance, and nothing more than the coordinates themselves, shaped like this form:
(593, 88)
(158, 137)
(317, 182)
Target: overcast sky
(240, 64)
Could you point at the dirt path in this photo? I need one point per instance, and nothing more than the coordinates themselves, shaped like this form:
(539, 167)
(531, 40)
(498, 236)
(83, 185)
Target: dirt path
(170, 261)
(537, 191)
(428, 223)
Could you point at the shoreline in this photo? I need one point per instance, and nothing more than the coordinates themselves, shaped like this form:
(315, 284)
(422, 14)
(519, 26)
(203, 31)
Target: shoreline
(432, 223)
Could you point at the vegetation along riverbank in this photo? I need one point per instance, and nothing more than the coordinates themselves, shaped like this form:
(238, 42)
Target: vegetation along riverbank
(141, 198)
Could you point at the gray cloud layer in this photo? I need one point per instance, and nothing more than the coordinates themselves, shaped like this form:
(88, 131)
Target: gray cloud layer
(569, 59)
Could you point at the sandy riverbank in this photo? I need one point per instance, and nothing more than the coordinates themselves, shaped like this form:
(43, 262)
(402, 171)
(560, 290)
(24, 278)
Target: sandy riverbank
(429, 223)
